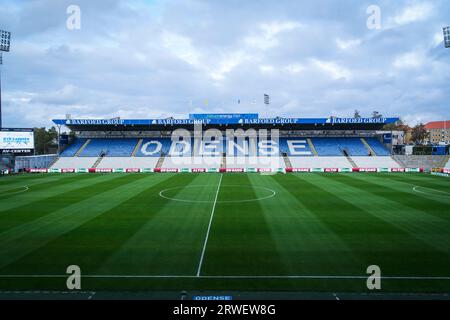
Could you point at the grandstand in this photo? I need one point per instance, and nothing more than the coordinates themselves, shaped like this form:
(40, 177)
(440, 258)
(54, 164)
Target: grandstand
(421, 161)
(318, 143)
(233, 233)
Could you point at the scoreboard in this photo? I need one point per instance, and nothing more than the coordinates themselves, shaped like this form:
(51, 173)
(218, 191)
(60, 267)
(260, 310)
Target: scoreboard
(16, 140)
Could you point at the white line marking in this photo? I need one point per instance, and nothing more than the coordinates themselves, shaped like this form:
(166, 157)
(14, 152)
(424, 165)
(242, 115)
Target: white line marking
(209, 228)
(443, 193)
(272, 194)
(338, 277)
(6, 193)
(49, 292)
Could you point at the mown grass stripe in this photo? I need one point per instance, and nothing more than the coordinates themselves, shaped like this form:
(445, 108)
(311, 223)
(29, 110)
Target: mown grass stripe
(200, 263)
(11, 179)
(240, 239)
(26, 238)
(37, 209)
(49, 189)
(170, 241)
(305, 238)
(417, 178)
(402, 193)
(423, 238)
(94, 241)
(36, 184)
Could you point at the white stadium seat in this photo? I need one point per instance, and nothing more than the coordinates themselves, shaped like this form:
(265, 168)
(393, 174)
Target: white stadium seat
(128, 162)
(74, 163)
(320, 162)
(255, 162)
(191, 162)
(375, 162)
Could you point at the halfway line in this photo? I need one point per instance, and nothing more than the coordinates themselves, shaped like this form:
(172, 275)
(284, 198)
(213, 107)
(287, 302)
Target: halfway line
(209, 228)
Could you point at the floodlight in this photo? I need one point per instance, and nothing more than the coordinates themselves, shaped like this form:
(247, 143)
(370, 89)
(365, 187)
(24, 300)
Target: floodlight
(5, 40)
(447, 36)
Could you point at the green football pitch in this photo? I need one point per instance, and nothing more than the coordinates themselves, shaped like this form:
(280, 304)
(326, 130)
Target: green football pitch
(226, 232)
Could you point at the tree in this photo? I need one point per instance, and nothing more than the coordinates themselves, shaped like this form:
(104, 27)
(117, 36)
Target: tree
(419, 133)
(376, 115)
(357, 114)
(45, 140)
(400, 125)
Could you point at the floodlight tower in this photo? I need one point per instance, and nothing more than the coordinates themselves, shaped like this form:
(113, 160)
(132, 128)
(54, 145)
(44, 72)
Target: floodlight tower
(447, 36)
(5, 40)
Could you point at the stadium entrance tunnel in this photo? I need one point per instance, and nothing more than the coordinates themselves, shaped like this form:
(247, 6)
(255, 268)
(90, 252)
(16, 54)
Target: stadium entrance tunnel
(227, 194)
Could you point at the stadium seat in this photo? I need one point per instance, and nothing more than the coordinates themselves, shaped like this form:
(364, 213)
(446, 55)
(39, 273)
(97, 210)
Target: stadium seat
(375, 162)
(154, 147)
(295, 147)
(109, 147)
(378, 147)
(191, 162)
(337, 146)
(74, 162)
(320, 162)
(72, 149)
(128, 163)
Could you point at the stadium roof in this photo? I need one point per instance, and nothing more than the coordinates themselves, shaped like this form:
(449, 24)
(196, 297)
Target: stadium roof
(226, 121)
(438, 125)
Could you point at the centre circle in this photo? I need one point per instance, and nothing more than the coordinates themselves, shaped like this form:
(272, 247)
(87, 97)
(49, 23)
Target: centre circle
(228, 194)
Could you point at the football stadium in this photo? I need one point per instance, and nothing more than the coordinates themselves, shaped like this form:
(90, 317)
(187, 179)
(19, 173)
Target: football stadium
(215, 151)
(226, 204)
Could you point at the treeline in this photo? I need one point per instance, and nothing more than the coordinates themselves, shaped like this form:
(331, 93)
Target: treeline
(418, 133)
(45, 140)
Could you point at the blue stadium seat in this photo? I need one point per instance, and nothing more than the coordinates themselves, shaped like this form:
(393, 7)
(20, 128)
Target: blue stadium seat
(73, 148)
(110, 147)
(300, 147)
(378, 147)
(150, 145)
(336, 146)
(155, 147)
(239, 148)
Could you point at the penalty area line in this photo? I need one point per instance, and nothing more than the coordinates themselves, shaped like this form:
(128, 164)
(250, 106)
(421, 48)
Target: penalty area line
(209, 228)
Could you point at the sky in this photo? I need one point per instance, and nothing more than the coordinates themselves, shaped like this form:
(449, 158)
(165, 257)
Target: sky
(167, 58)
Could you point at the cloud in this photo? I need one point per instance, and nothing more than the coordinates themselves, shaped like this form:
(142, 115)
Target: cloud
(146, 59)
(267, 35)
(181, 47)
(414, 13)
(409, 60)
(294, 68)
(347, 44)
(266, 69)
(332, 69)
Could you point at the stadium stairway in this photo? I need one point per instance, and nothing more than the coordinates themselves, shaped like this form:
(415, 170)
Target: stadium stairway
(223, 164)
(368, 147)
(160, 162)
(312, 147)
(137, 147)
(444, 162)
(354, 165)
(420, 161)
(98, 161)
(400, 163)
(287, 162)
(447, 166)
(53, 162)
(82, 148)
